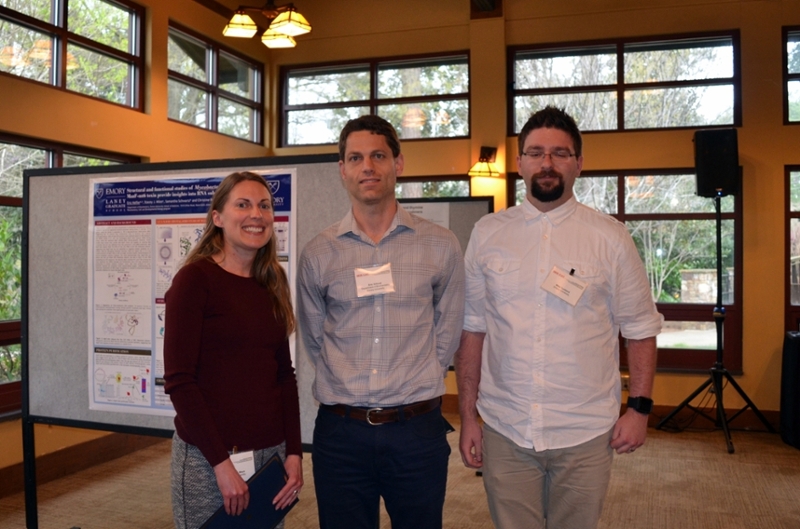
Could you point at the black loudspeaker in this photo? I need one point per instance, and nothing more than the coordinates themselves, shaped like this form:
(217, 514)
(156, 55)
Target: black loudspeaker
(790, 390)
(716, 161)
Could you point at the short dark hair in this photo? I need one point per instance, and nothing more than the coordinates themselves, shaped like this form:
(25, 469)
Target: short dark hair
(374, 124)
(551, 117)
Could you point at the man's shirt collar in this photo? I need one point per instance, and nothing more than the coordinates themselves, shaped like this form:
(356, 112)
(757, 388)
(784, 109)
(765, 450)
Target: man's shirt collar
(555, 216)
(401, 218)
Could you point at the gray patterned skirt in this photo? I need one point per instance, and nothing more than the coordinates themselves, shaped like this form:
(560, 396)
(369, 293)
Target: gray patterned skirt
(195, 495)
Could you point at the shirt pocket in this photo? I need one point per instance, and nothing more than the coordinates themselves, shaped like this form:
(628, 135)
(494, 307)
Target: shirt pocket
(502, 278)
(597, 288)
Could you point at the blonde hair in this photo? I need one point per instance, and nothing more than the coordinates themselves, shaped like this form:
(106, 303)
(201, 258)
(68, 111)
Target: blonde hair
(266, 269)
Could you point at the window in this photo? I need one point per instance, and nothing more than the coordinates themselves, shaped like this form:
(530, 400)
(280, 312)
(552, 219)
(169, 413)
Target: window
(630, 85)
(675, 233)
(793, 248)
(214, 88)
(432, 187)
(17, 155)
(91, 47)
(423, 98)
(791, 39)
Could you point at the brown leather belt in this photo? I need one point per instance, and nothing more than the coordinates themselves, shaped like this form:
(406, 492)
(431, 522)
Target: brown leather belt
(377, 415)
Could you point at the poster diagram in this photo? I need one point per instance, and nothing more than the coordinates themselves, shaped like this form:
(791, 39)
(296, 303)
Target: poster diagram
(140, 232)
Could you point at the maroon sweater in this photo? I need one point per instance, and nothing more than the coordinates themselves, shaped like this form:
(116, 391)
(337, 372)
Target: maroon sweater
(227, 365)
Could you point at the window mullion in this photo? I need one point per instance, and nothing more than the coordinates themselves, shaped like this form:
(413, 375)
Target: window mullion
(373, 92)
(212, 58)
(620, 86)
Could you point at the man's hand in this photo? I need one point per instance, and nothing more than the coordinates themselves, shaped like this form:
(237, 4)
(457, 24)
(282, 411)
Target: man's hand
(471, 444)
(629, 432)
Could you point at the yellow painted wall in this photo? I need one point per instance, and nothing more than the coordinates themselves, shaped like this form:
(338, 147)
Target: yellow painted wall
(381, 28)
(49, 439)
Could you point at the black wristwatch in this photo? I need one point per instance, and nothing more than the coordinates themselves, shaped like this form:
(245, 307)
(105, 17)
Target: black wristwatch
(641, 404)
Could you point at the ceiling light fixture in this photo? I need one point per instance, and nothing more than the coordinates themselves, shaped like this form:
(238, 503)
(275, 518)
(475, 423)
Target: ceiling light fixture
(285, 24)
(241, 26)
(291, 23)
(273, 39)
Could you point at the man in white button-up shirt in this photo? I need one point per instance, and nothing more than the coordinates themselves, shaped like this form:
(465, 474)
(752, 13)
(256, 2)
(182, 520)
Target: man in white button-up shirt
(550, 286)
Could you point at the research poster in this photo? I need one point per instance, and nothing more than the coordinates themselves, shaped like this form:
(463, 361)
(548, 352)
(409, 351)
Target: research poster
(140, 230)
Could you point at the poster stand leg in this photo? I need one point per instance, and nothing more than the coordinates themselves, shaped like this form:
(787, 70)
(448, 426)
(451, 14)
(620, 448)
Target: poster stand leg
(29, 469)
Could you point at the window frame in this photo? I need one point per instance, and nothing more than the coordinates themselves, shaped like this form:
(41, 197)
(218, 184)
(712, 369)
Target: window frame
(792, 312)
(213, 89)
(787, 77)
(620, 86)
(63, 38)
(372, 66)
(681, 360)
(11, 331)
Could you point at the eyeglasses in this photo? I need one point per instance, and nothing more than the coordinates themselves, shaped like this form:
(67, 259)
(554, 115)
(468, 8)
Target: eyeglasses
(557, 156)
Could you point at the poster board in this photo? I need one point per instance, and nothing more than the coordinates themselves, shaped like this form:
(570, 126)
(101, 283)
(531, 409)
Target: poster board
(55, 263)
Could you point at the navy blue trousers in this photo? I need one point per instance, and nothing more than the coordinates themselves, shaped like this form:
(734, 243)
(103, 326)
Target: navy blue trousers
(355, 464)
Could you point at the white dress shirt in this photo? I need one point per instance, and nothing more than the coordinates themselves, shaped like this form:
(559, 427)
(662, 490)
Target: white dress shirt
(550, 370)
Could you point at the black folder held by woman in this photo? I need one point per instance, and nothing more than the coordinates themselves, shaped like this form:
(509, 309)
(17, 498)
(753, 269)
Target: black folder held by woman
(264, 485)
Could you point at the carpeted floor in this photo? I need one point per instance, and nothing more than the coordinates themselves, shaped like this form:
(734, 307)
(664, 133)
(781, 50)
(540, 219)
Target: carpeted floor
(675, 481)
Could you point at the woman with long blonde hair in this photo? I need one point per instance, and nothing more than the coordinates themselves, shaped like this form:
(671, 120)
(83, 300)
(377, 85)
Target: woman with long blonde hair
(228, 369)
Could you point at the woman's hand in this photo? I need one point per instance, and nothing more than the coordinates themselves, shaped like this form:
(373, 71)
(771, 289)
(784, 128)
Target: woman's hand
(294, 471)
(234, 490)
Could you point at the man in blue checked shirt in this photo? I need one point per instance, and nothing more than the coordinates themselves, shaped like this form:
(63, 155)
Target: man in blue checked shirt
(381, 306)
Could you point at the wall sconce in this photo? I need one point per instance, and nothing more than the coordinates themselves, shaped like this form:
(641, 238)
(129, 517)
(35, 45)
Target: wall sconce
(485, 165)
(285, 24)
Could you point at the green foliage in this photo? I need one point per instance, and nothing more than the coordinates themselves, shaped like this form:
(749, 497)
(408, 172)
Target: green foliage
(38, 9)
(88, 72)
(98, 75)
(667, 247)
(10, 263)
(190, 104)
(10, 363)
(100, 21)
(29, 52)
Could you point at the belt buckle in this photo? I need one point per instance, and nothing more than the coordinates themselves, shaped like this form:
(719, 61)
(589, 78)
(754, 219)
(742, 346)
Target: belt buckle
(369, 421)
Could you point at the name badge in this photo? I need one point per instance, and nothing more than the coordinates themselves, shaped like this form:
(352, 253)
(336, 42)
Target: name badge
(375, 280)
(244, 463)
(564, 285)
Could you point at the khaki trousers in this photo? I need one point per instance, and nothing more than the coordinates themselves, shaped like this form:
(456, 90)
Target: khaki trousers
(554, 489)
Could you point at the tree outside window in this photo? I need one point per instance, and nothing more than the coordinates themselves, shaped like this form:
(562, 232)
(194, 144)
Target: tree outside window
(791, 39)
(16, 156)
(92, 47)
(425, 97)
(212, 88)
(674, 231)
(630, 85)
(432, 187)
(793, 246)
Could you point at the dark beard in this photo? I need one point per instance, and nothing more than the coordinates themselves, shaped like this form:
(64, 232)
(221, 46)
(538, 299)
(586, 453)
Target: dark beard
(547, 195)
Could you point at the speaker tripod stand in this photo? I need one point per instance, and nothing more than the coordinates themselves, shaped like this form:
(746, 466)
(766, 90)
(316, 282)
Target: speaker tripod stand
(718, 374)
